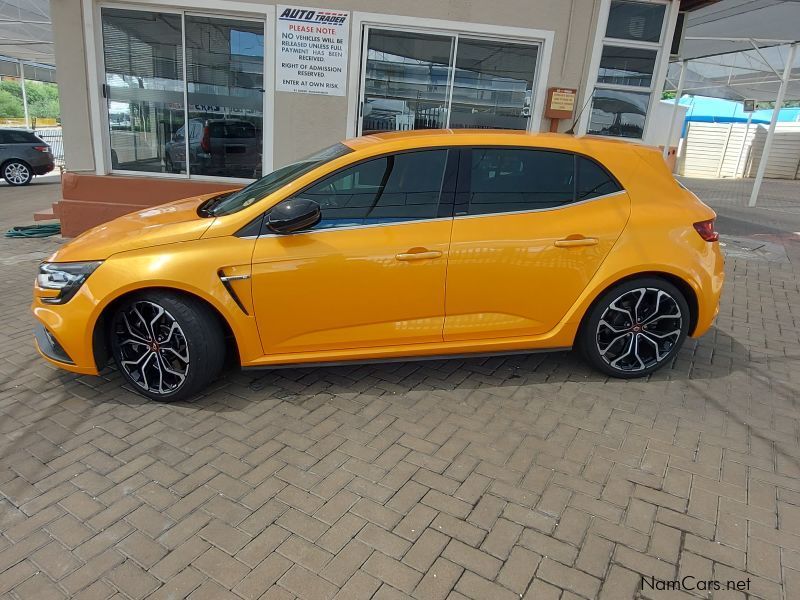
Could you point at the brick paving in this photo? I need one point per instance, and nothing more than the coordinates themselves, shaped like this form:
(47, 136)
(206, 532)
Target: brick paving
(517, 477)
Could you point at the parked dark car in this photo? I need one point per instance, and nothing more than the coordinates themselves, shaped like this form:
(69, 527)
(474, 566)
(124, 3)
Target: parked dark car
(224, 147)
(22, 155)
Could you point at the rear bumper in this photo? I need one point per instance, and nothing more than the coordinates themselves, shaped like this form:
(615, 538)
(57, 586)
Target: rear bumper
(708, 296)
(43, 169)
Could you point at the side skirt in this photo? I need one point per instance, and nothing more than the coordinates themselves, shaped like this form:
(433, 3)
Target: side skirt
(393, 359)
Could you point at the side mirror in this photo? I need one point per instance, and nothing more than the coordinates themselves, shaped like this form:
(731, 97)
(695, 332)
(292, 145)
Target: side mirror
(294, 214)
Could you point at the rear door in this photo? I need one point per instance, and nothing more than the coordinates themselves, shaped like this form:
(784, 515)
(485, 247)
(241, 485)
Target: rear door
(531, 228)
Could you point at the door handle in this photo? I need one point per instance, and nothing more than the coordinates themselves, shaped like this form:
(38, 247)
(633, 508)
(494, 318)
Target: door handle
(424, 255)
(571, 242)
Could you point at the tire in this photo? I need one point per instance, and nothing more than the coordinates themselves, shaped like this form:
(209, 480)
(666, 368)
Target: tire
(624, 347)
(17, 172)
(167, 346)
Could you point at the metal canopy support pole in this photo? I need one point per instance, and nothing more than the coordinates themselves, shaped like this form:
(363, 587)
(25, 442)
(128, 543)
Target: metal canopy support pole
(678, 94)
(762, 165)
(24, 93)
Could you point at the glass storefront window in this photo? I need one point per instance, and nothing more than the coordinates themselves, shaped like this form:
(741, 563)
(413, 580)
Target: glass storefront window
(627, 66)
(429, 81)
(151, 127)
(493, 85)
(618, 113)
(144, 86)
(626, 74)
(406, 81)
(225, 80)
(639, 21)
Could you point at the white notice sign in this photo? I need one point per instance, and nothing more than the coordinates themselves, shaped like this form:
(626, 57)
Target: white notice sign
(312, 50)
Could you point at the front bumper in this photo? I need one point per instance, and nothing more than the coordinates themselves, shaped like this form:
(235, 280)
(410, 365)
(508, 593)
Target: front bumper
(62, 340)
(49, 347)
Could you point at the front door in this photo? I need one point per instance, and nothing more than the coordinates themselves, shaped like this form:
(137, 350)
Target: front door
(372, 272)
(531, 229)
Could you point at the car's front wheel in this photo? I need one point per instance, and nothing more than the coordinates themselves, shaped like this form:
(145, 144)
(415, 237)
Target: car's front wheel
(16, 172)
(635, 328)
(167, 346)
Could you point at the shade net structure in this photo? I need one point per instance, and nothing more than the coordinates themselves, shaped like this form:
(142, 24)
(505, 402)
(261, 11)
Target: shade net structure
(740, 75)
(740, 50)
(25, 31)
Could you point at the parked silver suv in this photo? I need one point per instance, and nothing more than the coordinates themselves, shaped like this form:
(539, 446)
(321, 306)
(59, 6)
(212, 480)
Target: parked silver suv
(22, 155)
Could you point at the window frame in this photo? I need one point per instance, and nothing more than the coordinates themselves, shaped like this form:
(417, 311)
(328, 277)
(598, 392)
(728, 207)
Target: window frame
(362, 21)
(463, 189)
(446, 193)
(96, 75)
(659, 72)
(456, 37)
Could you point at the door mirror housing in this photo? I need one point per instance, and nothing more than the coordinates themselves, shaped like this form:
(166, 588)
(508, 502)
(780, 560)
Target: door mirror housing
(294, 214)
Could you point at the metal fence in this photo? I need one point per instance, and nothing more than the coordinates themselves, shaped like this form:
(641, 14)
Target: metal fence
(54, 137)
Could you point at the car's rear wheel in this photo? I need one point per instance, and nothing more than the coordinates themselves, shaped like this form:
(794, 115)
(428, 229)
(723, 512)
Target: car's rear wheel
(17, 172)
(167, 346)
(635, 328)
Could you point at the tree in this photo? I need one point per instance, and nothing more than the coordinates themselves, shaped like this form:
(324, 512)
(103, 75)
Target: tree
(10, 106)
(42, 99)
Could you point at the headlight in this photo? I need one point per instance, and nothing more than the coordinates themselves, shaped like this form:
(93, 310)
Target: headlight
(67, 278)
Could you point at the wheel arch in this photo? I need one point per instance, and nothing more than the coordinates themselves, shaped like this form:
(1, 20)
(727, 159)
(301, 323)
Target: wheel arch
(100, 342)
(12, 160)
(689, 294)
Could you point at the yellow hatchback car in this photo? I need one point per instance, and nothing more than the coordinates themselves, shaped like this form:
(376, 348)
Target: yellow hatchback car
(421, 244)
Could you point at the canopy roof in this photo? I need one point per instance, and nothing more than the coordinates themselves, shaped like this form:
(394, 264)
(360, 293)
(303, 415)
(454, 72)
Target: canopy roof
(737, 49)
(25, 31)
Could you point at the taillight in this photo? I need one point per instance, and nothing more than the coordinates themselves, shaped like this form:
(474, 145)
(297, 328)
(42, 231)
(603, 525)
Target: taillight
(205, 141)
(42, 148)
(706, 230)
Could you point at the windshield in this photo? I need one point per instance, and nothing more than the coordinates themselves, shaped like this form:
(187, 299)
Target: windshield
(230, 203)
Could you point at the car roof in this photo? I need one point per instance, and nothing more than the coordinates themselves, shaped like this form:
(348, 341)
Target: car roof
(404, 140)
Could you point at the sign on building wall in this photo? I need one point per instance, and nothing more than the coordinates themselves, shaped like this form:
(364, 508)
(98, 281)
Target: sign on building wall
(312, 50)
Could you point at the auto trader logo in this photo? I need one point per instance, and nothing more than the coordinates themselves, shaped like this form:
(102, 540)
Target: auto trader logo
(314, 16)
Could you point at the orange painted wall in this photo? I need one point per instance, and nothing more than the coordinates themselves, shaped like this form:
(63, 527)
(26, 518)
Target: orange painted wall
(89, 200)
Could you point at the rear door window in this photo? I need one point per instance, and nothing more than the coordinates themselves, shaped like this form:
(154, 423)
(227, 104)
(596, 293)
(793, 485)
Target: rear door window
(506, 180)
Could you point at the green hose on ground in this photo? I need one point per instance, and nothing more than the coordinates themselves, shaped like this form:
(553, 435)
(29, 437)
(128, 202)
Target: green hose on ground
(34, 231)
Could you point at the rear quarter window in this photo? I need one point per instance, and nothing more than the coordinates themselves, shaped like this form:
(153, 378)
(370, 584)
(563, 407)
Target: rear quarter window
(19, 137)
(593, 180)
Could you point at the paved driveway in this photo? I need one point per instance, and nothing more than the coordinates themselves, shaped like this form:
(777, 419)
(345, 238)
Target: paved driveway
(528, 476)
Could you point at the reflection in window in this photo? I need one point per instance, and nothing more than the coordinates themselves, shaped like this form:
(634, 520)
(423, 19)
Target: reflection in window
(405, 85)
(225, 77)
(627, 66)
(618, 113)
(394, 188)
(144, 83)
(493, 84)
(509, 180)
(148, 122)
(411, 79)
(639, 21)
